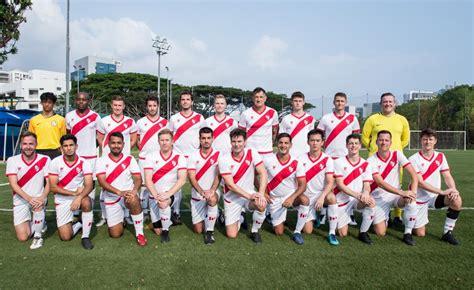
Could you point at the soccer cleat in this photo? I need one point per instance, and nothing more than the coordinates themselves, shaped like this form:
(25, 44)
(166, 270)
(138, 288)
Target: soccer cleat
(221, 218)
(256, 238)
(101, 222)
(397, 221)
(87, 244)
(322, 219)
(333, 240)
(37, 243)
(317, 222)
(141, 240)
(176, 219)
(44, 229)
(408, 239)
(268, 219)
(449, 237)
(364, 237)
(209, 238)
(353, 221)
(243, 221)
(165, 236)
(298, 239)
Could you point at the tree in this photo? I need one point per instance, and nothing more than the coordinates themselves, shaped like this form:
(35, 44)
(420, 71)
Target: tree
(11, 16)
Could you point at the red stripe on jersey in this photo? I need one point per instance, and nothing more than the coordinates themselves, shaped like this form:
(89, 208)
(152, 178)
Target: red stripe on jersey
(71, 175)
(38, 166)
(188, 124)
(260, 122)
(242, 169)
(316, 168)
(118, 170)
(222, 127)
(210, 161)
(280, 176)
(120, 128)
(433, 166)
(170, 165)
(153, 129)
(83, 123)
(301, 125)
(338, 129)
(391, 164)
(353, 175)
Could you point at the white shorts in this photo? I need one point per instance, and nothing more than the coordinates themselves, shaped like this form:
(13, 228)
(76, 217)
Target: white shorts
(233, 208)
(422, 215)
(344, 210)
(277, 210)
(312, 201)
(383, 207)
(115, 211)
(64, 214)
(199, 208)
(21, 213)
(155, 209)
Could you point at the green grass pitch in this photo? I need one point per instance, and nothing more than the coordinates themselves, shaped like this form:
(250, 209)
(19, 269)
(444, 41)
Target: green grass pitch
(186, 262)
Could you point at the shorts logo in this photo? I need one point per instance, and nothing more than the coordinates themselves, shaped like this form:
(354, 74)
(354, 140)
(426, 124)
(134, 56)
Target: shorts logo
(333, 218)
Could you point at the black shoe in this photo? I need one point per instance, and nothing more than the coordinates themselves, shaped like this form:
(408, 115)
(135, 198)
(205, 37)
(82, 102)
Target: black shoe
(209, 238)
(408, 239)
(244, 224)
(397, 221)
(256, 238)
(176, 219)
(221, 218)
(268, 219)
(364, 237)
(448, 237)
(87, 244)
(165, 236)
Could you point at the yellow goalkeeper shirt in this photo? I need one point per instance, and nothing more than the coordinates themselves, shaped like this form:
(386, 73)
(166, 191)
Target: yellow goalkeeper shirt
(48, 130)
(396, 124)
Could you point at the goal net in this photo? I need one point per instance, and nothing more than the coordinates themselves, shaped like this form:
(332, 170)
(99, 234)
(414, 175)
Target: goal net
(447, 140)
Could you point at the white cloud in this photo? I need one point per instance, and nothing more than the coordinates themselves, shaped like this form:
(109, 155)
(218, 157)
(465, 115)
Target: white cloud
(198, 44)
(268, 52)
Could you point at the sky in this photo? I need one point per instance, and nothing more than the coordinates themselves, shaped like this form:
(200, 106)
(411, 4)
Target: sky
(362, 48)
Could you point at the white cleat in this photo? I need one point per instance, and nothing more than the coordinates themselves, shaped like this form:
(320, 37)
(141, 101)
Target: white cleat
(37, 243)
(101, 222)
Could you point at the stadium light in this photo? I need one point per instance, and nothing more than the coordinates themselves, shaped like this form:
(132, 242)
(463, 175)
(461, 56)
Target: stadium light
(162, 47)
(68, 48)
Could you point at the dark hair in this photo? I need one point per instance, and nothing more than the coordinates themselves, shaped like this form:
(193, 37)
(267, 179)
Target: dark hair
(340, 94)
(258, 90)
(384, 132)
(28, 134)
(238, 132)
(428, 132)
(316, 132)
(164, 132)
(186, 93)
(284, 135)
(386, 94)
(152, 99)
(297, 94)
(67, 137)
(84, 94)
(118, 98)
(353, 136)
(205, 130)
(48, 96)
(116, 134)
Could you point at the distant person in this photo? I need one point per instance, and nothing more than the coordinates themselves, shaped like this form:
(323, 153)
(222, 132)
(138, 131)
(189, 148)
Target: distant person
(48, 126)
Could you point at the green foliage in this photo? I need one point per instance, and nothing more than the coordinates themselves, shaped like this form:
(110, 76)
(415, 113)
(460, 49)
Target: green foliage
(11, 16)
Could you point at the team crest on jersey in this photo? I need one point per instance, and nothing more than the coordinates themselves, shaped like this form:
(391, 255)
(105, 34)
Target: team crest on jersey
(88, 120)
(360, 170)
(173, 162)
(247, 162)
(125, 125)
(290, 168)
(267, 116)
(306, 122)
(194, 121)
(212, 161)
(37, 168)
(78, 170)
(322, 166)
(392, 163)
(227, 125)
(437, 163)
(123, 166)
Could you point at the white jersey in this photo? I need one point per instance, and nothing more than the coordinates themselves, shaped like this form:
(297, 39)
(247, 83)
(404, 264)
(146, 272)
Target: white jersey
(388, 169)
(118, 173)
(259, 127)
(221, 130)
(298, 128)
(316, 171)
(354, 176)
(70, 176)
(336, 130)
(84, 127)
(282, 177)
(242, 171)
(430, 170)
(108, 125)
(30, 176)
(148, 133)
(186, 132)
(206, 169)
(165, 170)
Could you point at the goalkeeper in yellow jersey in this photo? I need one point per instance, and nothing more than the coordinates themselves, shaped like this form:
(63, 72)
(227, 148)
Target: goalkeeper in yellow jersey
(398, 126)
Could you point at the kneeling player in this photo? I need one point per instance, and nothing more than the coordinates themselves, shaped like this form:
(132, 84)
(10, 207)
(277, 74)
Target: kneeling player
(26, 174)
(353, 179)
(119, 176)
(204, 177)
(319, 168)
(70, 178)
(386, 165)
(165, 174)
(430, 165)
(287, 182)
(238, 169)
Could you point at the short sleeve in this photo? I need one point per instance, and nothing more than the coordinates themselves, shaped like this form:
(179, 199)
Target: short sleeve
(170, 124)
(134, 127)
(53, 168)
(182, 162)
(444, 164)
(284, 125)
(356, 126)
(86, 168)
(367, 175)
(11, 167)
(243, 121)
(338, 172)
(191, 163)
(100, 166)
(300, 172)
(224, 166)
(134, 168)
(257, 160)
(373, 167)
(330, 166)
(63, 126)
(68, 125)
(46, 167)
(402, 159)
(101, 127)
(275, 121)
(322, 124)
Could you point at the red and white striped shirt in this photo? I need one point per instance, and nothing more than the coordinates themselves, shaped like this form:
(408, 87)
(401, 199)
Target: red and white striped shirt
(221, 130)
(186, 132)
(148, 131)
(259, 127)
(108, 125)
(206, 169)
(336, 130)
(298, 128)
(84, 127)
(165, 170)
(353, 174)
(316, 171)
(282, 177)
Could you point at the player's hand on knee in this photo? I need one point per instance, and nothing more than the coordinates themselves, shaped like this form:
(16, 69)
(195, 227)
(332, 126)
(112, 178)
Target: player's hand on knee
(288, 202)
(269, 198)
(76, 203)
(453, 195)
(319, 204)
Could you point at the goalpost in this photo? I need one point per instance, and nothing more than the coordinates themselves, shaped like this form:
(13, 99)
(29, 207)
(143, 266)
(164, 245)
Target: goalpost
(447, 140)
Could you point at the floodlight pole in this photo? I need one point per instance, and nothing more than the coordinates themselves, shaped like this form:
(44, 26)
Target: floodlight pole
(68, 48)
(162, 47)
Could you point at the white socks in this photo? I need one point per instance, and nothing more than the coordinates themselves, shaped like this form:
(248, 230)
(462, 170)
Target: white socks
(37, 223)
(165, 215)
(138, 223)
(87, 218)
(332, 218)
(367, 219)
(303, 211)
(258, 218)
(211, 218)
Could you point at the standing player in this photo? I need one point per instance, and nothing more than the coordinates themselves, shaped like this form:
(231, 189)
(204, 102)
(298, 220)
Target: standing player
(119, 176)
(70, 178)
(221, 125)
(165, 174)
(238, 169)
(204, 177)
(287, 182)
(297, 124)
(386, 165)
(26, 174)
(148, 129)
(337, 126)
(319, 168)
(353, 178)
(185, 126)
(431, 165)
